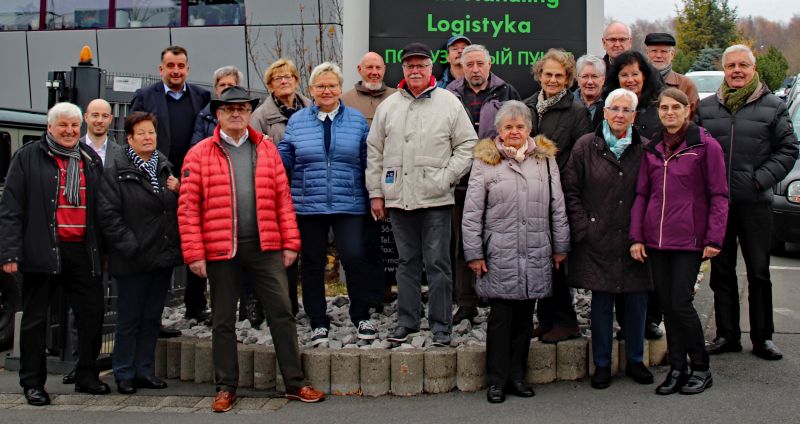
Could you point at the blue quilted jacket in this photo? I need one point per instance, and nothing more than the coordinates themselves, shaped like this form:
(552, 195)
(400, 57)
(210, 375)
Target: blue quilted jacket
(326, 182)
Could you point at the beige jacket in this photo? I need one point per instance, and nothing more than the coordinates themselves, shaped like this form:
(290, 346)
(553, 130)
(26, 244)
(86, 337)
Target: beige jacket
(418, 148)
(267, 118)
(366, 101)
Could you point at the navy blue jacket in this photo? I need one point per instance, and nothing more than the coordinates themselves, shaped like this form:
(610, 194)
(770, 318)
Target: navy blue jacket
(204, 125)
(326, 182)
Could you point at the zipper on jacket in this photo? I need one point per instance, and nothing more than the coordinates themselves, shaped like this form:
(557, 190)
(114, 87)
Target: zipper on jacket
(55, 213)
(664, 193)
(730, 159)
(234, 216)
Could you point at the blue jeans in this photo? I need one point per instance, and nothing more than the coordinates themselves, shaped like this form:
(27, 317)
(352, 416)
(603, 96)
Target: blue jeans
(423, 237)
(139, 307)
(603, 326)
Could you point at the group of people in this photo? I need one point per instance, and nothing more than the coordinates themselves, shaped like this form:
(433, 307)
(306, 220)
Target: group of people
(622, 187)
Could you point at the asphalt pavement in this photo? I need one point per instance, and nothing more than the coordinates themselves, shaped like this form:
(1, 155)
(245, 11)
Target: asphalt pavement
(746, 389)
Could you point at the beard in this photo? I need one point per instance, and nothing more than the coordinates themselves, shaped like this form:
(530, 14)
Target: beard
(477, 82)
(372, 86)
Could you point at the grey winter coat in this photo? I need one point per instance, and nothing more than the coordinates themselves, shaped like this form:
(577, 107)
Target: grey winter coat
(599, 191)
(514, 220)
(268, 119)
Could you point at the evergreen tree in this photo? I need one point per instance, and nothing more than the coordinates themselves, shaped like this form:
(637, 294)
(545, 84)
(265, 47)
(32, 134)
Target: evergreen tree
(772, 67)
(705, 23)
(708, 60)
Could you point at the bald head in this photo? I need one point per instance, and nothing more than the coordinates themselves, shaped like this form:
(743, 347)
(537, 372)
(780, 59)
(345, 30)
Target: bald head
(617, 39)
(98, 118)
(372, 69)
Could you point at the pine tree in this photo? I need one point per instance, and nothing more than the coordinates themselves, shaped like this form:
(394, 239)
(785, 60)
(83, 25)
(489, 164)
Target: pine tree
(705, 23)
(772, 67)
(707, 60)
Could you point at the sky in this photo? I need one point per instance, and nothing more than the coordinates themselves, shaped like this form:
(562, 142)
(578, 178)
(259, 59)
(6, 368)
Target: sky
(630, 10)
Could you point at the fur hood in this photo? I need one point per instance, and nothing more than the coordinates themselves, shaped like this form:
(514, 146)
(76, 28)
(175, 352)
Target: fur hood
(486, 150)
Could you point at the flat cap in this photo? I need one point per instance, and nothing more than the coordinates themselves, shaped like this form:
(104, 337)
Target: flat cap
(659, 39)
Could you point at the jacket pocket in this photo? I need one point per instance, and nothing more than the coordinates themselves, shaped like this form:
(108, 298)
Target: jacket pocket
(392, 183)
(432, 184)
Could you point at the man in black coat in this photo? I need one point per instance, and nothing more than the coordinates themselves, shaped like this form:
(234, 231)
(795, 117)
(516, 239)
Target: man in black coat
(176, 104)
(49, 233)
(760, 147)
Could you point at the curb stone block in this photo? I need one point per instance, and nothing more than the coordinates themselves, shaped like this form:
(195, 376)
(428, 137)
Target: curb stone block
(174, 357)
(571, 359)
(408, 368)
(317, 368)
(203, 363)
(187, 359)
(614, 357)
(245, 355)
(441, 364)
(346, 372)
(160, 365)
(264, 368)
(375, 372)
(658, 351)
(541, 363)
(471, 368)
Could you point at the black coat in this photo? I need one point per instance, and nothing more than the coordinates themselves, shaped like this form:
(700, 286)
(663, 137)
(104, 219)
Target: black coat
(759, 143)
(204, 125)
(647, 122)
(28, 233)
(140, 227)
(564, 123)
(599, 191)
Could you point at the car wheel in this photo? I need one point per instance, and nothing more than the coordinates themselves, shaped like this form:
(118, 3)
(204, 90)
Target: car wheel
(9, 305)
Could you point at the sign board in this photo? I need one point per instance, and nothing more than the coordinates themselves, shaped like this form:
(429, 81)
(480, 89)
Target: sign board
(127, 84)
(516, 32)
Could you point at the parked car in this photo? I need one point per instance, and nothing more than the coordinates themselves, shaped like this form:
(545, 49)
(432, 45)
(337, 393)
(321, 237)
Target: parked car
(707, 82)
(786, 202)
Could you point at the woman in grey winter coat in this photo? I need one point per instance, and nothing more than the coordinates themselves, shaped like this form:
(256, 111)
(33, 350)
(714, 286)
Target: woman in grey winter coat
(515, 232)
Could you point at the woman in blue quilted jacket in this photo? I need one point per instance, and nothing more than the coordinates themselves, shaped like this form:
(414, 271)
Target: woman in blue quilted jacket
(324, 151)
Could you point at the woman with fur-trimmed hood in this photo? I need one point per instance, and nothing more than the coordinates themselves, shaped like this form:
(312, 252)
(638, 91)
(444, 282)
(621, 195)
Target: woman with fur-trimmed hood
(515, 232)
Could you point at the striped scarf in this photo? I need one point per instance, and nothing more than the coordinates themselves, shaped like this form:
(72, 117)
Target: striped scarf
(72, 185)
(150, 167)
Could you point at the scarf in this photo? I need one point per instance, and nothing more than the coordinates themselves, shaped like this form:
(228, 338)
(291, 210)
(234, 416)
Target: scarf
(287, 111)
(543, 105)
(150, 167)
(664, 72)
(617, 145)
(735, 98)
(72, 186)
(672, 141)
(514, 153)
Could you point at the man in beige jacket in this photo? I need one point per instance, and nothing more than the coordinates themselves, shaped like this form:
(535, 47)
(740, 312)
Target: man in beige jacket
(420, 144)
(368, 93)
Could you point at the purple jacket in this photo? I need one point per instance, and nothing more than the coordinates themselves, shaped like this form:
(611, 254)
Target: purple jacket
(681, 202)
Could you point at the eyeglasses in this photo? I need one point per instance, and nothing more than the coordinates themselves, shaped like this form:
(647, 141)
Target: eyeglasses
(323, 88)
(617, 110)
(617, 40)
(741, 65)
(280, 78)
(410, 67)
(235, 109)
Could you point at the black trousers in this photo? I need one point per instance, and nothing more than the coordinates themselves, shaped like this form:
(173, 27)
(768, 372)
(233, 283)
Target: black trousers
(464, 276)
(194, 295)
(508, 338)
(558, 309)
(265, 270)
(750, 225)
(674, 274)
(374, 258)
(84, 293)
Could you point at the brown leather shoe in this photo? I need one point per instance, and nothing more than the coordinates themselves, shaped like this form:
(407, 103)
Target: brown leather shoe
(539, 331)
(306, 394)
(559, 334)
(224, 401)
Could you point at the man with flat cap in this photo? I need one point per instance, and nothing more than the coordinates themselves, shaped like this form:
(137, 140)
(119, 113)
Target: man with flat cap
(235, 215)
(419, 146)
(661, 51)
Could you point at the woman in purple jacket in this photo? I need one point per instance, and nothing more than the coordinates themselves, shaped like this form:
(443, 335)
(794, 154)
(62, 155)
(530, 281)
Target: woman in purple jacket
(678, 219)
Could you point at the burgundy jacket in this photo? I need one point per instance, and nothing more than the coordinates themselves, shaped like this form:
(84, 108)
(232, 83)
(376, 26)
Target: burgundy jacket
(681, 202)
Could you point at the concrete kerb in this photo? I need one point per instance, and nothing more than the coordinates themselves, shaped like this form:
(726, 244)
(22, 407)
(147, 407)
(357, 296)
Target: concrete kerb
(203, 362)
(174, 357)
(264, 367)
(471, 368)
(245, 357)
(571, 359)
(441, 365)
(187, 359)
(346, 372)
(541, 363)
(375, 372)
(317, 368)
(160, 365)
(408, 369)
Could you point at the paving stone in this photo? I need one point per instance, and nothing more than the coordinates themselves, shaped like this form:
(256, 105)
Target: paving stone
(203, 364)
(441, 365)
(205, 402)
(107, 400)
(541, 363)
(26, 407)
(245, 358)
(71, 399)
(11, 398)
(614, 357)
(247, 411)
(148, 401)
(264, 368)
(176, 409)
(471, 366)
(180, 401)
(102, 408)
(375, 372)
(7, 405)
(65, 407)
(346, 372)
(187, 359)
(138, 409)
(317, 368)
(658, 351)
(160, 365)
(571, 359)
(251, 403)
(408, 371)
(275, 404)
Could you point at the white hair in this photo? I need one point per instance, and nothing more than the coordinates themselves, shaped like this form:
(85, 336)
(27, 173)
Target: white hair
(590, 59)
(512, 109)
(323, 68)
(63, 110)
(475, 48)
(229, 70)
(620, 93)
(739, 48)
(627, 28)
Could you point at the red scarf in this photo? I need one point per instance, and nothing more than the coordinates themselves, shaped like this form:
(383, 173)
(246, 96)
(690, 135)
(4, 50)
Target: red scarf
(672, 141)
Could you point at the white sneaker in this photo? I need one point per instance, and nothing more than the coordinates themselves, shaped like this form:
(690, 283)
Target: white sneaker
(366, 330)
(319, 336)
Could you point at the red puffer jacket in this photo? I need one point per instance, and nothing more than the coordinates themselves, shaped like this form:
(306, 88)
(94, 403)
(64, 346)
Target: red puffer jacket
(207, 201)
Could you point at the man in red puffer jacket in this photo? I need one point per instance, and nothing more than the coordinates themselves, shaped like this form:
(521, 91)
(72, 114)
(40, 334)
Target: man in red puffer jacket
(235, 215)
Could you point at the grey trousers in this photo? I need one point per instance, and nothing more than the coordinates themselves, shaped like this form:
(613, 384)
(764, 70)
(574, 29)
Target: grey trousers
(266, 272)
(423, 237)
